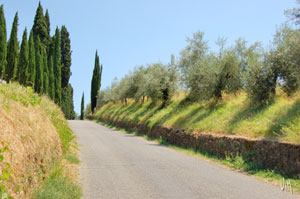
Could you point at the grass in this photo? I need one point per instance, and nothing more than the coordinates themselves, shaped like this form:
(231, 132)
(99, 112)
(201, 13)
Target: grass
(237, 163)
(58, 185)
(27, 116)
(234, 115)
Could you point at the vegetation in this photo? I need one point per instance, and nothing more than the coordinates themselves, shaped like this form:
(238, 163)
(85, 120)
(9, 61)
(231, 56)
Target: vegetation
(43, 62)
(3, 44)
(26, 114)
(96, 82)
(82, 108)
(241, 89)
(234, 115)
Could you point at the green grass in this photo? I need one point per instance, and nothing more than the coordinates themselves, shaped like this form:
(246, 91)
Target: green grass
(234, 115)
(237, 163)
(72, 158)
(58, 185)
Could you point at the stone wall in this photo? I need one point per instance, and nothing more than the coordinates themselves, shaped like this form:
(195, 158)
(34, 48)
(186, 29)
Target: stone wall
(274, 155)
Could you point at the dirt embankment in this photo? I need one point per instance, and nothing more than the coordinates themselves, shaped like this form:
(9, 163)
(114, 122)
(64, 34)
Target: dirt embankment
(33, 141)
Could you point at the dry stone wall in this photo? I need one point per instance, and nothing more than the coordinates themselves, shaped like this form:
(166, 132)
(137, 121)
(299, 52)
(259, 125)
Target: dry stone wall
(274, 155)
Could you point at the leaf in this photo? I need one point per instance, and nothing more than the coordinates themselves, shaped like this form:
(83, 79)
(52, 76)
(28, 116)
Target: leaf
(5, 175)
(4, 195)
(1, 158)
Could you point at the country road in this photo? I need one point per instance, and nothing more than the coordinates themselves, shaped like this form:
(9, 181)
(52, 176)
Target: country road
(119, 165)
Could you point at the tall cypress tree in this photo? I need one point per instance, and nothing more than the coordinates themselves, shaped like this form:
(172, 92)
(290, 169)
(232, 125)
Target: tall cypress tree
(38, 86)
(31, 69)
(82, 107)
(23, 62)
(96, 82)
(3, 44)
(65, 57)
(51, 80)
(45, 74)
(40, 27)
(57, 68)
(12, 51)
(47, 18)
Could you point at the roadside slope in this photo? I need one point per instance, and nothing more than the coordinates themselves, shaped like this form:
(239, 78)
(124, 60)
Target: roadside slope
(37, 133)
(234, 115)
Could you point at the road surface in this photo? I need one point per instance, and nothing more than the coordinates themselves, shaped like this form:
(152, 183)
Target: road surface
(119, 165)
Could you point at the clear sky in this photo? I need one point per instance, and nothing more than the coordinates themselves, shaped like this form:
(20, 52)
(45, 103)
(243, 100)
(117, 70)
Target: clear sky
(135, 32)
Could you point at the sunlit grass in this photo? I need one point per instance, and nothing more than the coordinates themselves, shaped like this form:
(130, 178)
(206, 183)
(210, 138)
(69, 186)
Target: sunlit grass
(234, 115)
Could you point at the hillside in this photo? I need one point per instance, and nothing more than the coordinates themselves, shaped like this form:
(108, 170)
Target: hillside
(37, 135)
(233, 115)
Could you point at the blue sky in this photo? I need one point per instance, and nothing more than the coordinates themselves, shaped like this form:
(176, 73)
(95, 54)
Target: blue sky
(135, 32)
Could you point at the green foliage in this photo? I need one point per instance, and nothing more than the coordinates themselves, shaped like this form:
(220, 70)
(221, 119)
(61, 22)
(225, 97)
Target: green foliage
(58, 185)
(51, 79)
(31, 72)
(45, 74)
(23, 62)
(73, 159)
(260, 84)
(47, 18)
(6, 172)
(68, 106)
(57, 67)
(40, 26)
(285, 58)
(12, 52)
(82, 107)
(3, 44)
(65, 57)
(39, 61)
(96, 82)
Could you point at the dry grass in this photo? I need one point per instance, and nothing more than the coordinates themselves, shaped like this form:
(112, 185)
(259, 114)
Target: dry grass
(28, 123)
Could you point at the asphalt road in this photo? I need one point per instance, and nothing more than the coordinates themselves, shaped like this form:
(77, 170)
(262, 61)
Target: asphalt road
(119, 165)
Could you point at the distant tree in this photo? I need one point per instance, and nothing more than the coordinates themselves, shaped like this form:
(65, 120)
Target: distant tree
(82, 107)
(23, 62)
(40, 26)
(3, 44)
(57, 68)
(96, 82)
(65, 57)
(31, 69)
(12, 51)
(39, 61)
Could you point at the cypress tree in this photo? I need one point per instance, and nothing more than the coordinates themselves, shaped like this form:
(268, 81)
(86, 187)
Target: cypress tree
(40, 27)
(51, 80)
(23, 60)
(65, 57)
(45, 74)
(96, 82)
(38, 86)
(31, 70)
(12, 51)
(82, 107)
(3, 44)
(68, 106)
(57, 68)
(47, 18)
(71, 103)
